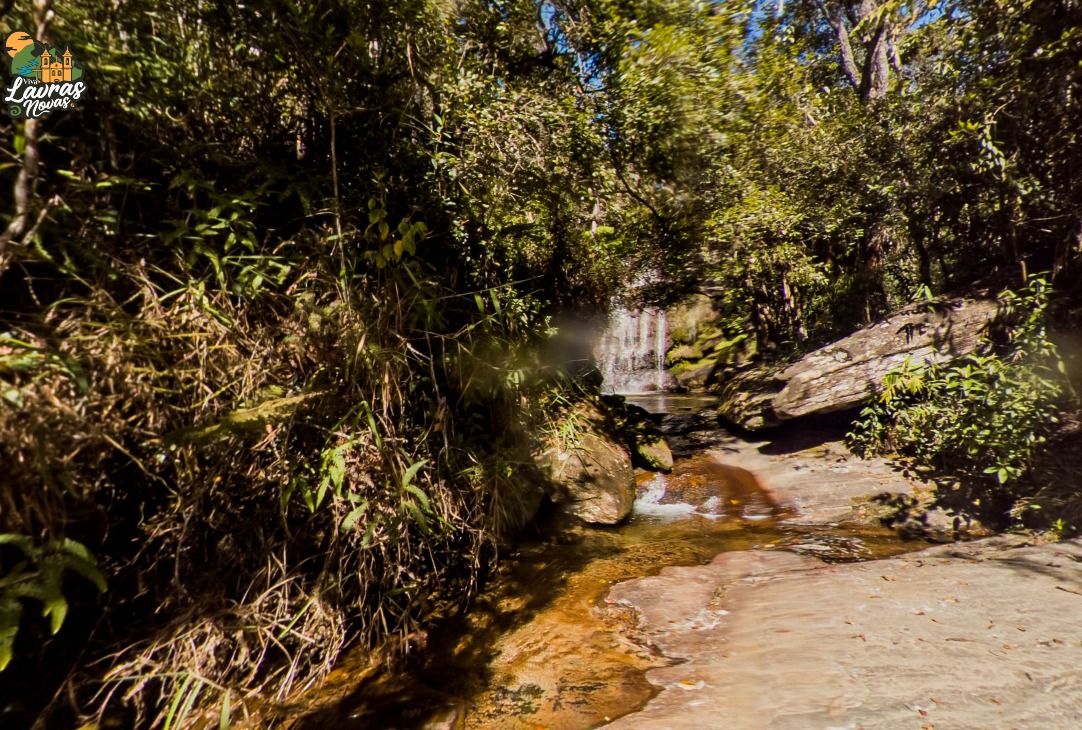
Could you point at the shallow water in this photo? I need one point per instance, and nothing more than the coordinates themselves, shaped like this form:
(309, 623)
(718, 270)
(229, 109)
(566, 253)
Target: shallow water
(672, 403)
(542, 648)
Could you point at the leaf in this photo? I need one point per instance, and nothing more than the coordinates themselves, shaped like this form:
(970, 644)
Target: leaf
(411, 472)
(372, 426)
(420, 494)
(418, 516)
(189, 702)
(225, 717)
(178, 697)
(355, 514)
(24, 543)
(10, 612)
(56, 609)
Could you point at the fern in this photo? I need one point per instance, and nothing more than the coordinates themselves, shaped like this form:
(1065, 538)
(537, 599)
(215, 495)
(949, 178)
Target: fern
(38, 576)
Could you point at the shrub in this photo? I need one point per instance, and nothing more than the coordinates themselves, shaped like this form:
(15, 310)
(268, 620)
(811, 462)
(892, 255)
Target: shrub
(981, 417)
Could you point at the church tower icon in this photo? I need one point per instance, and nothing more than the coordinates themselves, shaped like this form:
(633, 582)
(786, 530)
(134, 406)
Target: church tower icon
(55, 71)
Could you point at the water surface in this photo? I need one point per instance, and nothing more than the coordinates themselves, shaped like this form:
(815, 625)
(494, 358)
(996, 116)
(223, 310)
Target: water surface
(543, 648)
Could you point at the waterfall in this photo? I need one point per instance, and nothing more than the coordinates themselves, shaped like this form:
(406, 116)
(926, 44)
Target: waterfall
(631, 352)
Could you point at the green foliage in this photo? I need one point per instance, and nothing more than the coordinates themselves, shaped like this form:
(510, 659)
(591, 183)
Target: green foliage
(277, 322)
(982, 417)
(38, 575)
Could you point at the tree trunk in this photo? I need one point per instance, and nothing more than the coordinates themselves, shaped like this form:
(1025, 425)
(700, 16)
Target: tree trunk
(872, 77)
(21, 228)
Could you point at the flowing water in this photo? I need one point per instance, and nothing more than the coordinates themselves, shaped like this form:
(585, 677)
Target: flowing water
(542, 647)
(631, 352)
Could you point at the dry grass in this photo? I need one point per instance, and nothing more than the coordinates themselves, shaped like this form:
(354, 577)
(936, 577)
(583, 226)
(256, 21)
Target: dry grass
(262, 480)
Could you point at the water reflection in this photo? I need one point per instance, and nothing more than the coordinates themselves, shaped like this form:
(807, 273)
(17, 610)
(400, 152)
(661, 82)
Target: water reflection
(542, 647)
(673, 403)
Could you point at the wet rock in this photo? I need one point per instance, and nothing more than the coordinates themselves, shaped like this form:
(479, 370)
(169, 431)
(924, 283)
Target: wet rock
(654, 453)
(696, 374)
(638, 430)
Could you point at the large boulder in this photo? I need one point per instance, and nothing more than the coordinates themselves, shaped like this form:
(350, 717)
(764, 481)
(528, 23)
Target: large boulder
(588, 473)
(746, 395)
(843, 374)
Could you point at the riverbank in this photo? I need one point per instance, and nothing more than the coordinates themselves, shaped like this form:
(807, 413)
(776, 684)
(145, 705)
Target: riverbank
(543, 646)
(964, 635)
(754, 584)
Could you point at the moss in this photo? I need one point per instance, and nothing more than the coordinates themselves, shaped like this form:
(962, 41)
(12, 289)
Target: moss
(652, 452)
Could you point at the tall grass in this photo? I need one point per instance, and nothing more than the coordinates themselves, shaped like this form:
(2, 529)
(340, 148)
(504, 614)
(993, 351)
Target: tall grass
(266, 479)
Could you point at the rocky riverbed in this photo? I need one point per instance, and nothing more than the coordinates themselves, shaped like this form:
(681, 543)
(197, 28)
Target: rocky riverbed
(967, 635)
(981, 635)
(753, 587)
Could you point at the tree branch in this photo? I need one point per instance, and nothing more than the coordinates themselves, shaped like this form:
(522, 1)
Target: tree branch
(873, 77)
(849, 64)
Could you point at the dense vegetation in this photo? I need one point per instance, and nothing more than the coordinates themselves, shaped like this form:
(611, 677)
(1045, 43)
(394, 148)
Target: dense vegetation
(277, 300)
(979, 421)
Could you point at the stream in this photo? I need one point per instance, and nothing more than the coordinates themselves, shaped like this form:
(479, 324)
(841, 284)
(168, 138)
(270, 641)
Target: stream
(543, 646)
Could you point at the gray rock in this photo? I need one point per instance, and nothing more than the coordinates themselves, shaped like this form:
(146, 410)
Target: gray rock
(845, 373)
(746, 398)
(592, 478)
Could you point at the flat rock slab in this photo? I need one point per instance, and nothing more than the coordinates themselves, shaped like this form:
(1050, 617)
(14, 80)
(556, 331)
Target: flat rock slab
(810, 472)
(976, 635)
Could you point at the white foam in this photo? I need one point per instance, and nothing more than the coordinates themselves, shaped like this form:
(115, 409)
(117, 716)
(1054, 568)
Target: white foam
(649, 502)
(711, 505)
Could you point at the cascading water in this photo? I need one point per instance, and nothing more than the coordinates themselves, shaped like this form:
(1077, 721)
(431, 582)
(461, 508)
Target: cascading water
(631, 352)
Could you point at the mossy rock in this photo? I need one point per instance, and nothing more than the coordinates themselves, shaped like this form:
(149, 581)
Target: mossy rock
(694, 373)
(689, 319)
(639, 431)
(652, 452)
(587, 469)
(684, 352)
(682, 336)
